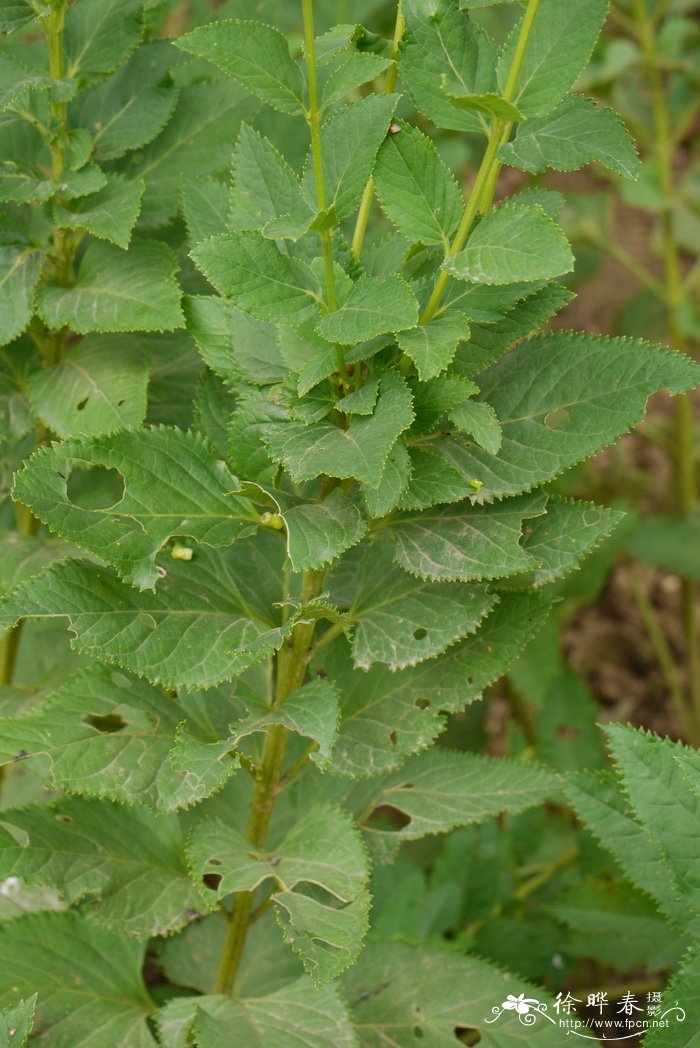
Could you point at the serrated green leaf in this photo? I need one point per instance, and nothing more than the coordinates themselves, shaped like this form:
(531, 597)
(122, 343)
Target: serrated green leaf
(356, 69)
(350, 141)
(25, 555)
(683, 988)
(433, 481)
(90, 981)
(258, 278)
(248, 452)
(237, 347)
(256, 56)
(131, 861)
(465, 542)
(129, 109)
(401, 993)
(318, 532)
(359, 451)
(20, 268)
(589, 392)
(323, 850)
(511, 244)
(117, 291)
(565, 534)
(432, 346)
(561, 41)
(15, 81)
(399, 620)
(416, 188)
(397, 470)
(264, 187)
(110, 735)
(172, 485)
(100, 35)
(300, 1014)
(656, 790)
(195, 143)
(444, 51)
(98, 387)
(577, 133)
(375, 306)
(440, 789)
(16, 1023)
(672, 543)
(142, 631)
(493, 105)
(24, 184)
(109, 214)
(480, 421)
(14, 14)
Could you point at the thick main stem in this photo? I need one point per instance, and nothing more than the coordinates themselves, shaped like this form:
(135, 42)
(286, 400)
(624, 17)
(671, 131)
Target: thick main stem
(291, 665)
(675, 298)
(481, 195)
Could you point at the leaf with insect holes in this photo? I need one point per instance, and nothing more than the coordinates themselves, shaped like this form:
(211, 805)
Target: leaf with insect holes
(440, 789)
(171, 484)
(359, 451)
(445, 52)
(117, 291)
(258, 278)
(416, 188)
(128, 860)
(563, 35)
(402, 994)
(320, 874)
(89, 979)
(100, 35)
(350, 141)
(255, 55)
(20, 269)
(577, 133)
(375, 306)
(398, 619)
(264, 187)
(432, 346)
(16, 1023)
(561, 397)
(110, 214)
(563, 536)
(511, 244)
(98, 387)
(465, 543)
(204, 600)
(298, 1013)
(110, 735)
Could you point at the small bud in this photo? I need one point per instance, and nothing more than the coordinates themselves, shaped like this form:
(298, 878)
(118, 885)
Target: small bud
(271, 520)
(181, 552)
(477, 485)
(394, 129)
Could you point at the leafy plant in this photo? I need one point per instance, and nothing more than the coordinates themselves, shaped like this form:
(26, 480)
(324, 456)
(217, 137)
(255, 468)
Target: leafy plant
(279, 586)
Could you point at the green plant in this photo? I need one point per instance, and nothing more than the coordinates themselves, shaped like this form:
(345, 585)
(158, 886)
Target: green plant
(277, 595)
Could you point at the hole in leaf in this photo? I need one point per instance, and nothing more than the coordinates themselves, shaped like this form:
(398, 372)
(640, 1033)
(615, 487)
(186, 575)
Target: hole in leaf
(418, 1033)
(212, 880)
(422, 703)
(64, 818)
(393, 738)
(567, 731)
(319, 894)
(467, 1035)
(82, 404)
(108, 723)
(119, 403)
(470, 680)
(388, 819)
(95, 487)
(420, 633)
(214, 862)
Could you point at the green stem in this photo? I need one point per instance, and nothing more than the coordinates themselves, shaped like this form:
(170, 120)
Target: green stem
(675, 299)
(313, 118)
(490, 167)
(292, 661)
(363, 214)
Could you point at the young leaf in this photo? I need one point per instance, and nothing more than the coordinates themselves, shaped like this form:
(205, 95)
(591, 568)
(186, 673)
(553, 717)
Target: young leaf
(109, 214)
(264, 186)
(432, 346)
(256, 56)
(258, 278)
(323, 849)
(416, 188)
(465, 543)
(118, 291)
(89, 979)
(234, 345)
(444, 51)
(559, 46)
(594, 390)
(481, 422)
(171, 486)
(513, 243)
(300, 1014)
(375, 306)
(131, 861)
(578, 132)
(98, 387)
(359, 451)
(20, 268)
(100, 35)
(318, 532)
(356, 69)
